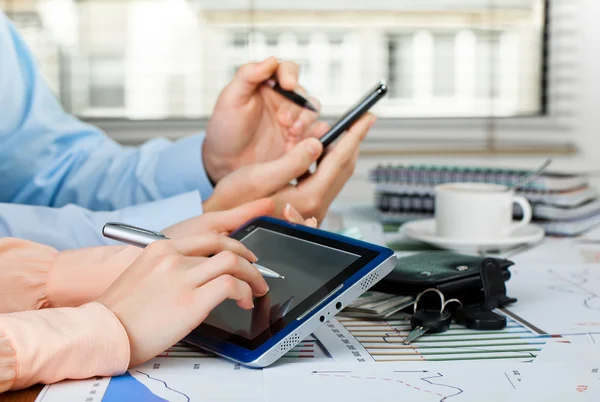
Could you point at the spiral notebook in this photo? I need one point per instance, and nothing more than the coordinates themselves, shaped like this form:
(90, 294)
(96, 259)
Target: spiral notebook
(564, 204)
(439, 174)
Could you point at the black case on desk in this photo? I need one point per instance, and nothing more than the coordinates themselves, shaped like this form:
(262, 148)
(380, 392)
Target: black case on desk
(455, 275)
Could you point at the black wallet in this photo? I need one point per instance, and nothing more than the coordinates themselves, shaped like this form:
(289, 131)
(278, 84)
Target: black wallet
(471, 279)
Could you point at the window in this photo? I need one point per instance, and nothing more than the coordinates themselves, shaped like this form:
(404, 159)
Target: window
(240, 40)
(443, 65)
(141, 59)
(106, 82)
(400, 66)
(487, 74)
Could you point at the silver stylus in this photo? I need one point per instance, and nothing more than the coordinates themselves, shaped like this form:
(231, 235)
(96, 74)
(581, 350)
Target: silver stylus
(142, 237)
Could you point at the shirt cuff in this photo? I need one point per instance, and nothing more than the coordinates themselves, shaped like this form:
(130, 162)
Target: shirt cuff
(180, 168)
(161, 214)
(8, 363)
(65, 343)
(24, 272)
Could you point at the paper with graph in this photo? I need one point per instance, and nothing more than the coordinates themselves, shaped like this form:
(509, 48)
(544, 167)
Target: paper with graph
(427, 382)
(565, 299)
(558, 303)
(572, 370)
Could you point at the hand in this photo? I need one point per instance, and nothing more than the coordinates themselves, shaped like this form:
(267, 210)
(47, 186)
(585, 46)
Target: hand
(223, 222)
(313, 195)
(163, 295)
(251, 123)
(226, 222)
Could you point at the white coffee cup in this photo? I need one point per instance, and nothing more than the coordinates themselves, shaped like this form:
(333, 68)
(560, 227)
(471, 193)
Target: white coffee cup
(477, 211)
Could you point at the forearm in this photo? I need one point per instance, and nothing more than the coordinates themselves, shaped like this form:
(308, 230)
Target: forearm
(80, 276)
(34, 276)
(51, 345)
(75, 227)
(51, 158)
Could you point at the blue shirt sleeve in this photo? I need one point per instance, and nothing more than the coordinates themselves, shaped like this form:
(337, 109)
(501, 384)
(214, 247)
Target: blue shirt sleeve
(72, 226)
(50, 158)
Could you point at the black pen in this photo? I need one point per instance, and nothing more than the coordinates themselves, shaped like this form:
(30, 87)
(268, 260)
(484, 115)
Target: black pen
(291, 95)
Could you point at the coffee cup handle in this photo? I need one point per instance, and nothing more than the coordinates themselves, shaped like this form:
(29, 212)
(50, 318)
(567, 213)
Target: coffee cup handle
(527, 212)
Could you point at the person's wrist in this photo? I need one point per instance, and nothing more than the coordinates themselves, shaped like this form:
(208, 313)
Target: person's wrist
(210, 205)
(216, 167)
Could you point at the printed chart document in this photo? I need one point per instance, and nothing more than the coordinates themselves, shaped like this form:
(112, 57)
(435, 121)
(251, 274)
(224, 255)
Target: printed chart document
(564, 372)
(565, 299)
(181, 374)
(166, 379)
(432, 382)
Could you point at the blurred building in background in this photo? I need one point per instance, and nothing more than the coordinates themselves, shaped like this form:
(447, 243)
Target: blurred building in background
(153, 59)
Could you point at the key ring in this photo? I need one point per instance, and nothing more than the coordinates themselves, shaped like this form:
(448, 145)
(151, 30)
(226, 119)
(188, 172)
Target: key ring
(444, 303)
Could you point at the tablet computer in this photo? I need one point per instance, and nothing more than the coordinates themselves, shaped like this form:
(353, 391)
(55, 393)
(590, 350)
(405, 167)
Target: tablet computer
(323, 273)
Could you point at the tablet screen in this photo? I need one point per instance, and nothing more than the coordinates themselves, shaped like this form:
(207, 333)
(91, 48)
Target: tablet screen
(312, 268)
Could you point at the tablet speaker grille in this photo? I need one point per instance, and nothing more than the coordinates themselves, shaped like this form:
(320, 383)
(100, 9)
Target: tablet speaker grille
(289, 343)
(369, 281)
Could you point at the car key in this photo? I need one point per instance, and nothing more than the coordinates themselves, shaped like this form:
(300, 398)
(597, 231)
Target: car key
(429, 320)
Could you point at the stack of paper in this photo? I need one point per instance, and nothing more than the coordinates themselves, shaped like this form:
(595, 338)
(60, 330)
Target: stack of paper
(377, 305)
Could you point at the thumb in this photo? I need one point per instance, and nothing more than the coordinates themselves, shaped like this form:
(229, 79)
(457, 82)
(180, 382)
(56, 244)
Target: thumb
(227, 221)
(249, 77)
(271, 177)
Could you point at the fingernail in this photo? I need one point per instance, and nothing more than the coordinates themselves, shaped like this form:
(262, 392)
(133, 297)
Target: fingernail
(315, 220)
(293, 212)
(255, 257)
(297, 126)
(313, 149)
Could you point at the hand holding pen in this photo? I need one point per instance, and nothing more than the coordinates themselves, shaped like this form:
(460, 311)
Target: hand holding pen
(291, 95)
(143, 237)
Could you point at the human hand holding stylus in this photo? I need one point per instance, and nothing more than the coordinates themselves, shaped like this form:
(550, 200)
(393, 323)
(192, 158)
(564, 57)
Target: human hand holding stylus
(143, 237)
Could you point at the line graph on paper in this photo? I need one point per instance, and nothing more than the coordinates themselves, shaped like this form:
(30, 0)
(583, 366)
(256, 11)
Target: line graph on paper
(182, 374)
(577, 283)
(422, 383)
(566, 299)
(429, 382)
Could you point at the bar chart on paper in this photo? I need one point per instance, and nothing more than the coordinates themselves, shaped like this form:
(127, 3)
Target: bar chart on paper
(383, 341)
(309, 348)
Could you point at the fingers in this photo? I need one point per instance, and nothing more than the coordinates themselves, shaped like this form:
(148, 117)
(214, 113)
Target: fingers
(210, 243)
(228, 263)
(292, 215)
(317, 129)
(297, 119)
(311, 222)
(270, 177)
(227, 221)
(249, 77)
(340, 156)
(216, 291)
(287, 75)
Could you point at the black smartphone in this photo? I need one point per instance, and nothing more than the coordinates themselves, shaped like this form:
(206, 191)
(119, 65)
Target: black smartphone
(354, 113)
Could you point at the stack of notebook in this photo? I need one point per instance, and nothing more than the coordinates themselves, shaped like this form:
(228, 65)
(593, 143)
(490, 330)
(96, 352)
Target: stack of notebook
(564, 204)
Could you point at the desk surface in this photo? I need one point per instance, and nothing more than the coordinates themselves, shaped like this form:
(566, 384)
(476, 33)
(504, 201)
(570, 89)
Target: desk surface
(29, 395)
(26, 395)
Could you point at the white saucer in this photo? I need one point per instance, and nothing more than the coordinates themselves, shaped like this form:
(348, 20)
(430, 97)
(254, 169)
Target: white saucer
(425, 230)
